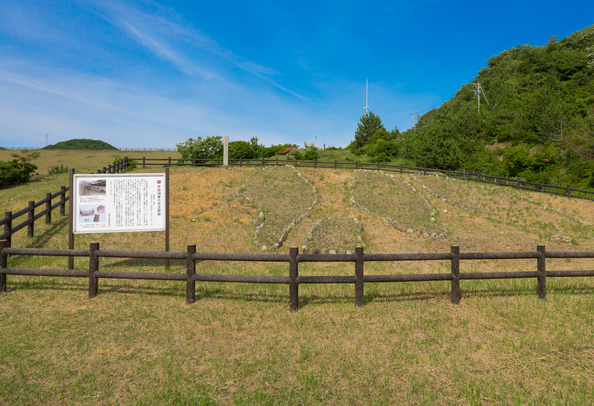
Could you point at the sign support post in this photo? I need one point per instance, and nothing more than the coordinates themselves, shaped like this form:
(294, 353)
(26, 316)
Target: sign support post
(167, 215)
(71, 219)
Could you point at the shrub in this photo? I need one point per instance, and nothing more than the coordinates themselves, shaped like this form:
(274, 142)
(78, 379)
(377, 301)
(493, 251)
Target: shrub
(57, 170)
(207, 148)
(240, 149)
(15, 172)
(311, 153)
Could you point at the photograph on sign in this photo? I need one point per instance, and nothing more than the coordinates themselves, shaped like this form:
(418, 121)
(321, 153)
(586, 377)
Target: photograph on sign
(119, 203)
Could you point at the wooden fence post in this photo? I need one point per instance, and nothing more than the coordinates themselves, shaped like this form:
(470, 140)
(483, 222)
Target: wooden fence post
(240, 162)
(518, 182)
(31, 226)
(568, 190)
(8, 227)
(277, 160)
(48, 207)
(359, 275)
(262, 162)
(143, 162)
(62, 200)
(295, 164)
(293, 274)
(3, 264)
(190, 270)
(401, 166)
(542, 187)
(335, 163)
(315, 163)
(378, 166)
(424, 171)
(455, 269)
(356, 164)
(93, 267)
(541, 265)
(170, 162)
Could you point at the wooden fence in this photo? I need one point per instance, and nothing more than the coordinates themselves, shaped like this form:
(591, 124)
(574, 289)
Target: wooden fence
(10, 217)
(471, 176)
(94, 253)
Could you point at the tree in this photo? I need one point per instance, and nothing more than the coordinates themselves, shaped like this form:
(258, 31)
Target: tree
(208, 148)
(369, 124)
(241, 149)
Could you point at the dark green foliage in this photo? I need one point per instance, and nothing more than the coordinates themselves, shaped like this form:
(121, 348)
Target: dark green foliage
(57, 170)
(383, 143)
(207, 148)
(241, 149)
(369, 124)
(251, 150)
(14, 172)
(433, 148)
(538, 124)
(311, 153)
(82, 143)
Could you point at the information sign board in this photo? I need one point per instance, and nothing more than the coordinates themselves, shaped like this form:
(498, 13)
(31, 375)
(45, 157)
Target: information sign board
(111, 203)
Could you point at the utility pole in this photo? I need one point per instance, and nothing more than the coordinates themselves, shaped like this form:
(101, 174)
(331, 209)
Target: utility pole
(417, 117)
(478, 92)
(366, 108)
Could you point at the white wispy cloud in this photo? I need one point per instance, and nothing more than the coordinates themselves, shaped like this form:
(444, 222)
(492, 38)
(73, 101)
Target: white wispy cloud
(176, 42)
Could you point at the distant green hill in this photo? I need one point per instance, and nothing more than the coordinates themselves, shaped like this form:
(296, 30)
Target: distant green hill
(536, 118)
(81, 143)
(538, 123)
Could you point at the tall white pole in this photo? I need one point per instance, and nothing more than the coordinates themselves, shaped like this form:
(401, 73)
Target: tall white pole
(367, 96)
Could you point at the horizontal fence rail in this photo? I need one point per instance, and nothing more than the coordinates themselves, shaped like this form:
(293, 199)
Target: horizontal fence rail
(470, 176)
(358, 278)
(119, 166)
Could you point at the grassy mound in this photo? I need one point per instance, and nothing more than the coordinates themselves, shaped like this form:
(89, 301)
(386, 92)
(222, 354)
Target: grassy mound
(82, 143)
(284, 197)
(340, 234)
(396, 200)
(503, 205)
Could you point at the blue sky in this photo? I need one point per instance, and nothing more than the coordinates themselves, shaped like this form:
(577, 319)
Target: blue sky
(152, 74)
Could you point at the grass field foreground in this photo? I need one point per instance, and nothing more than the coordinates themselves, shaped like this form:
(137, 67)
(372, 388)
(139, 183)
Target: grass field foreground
(138, 342)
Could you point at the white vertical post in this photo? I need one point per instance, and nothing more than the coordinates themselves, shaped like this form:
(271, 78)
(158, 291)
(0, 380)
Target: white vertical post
(225, 150)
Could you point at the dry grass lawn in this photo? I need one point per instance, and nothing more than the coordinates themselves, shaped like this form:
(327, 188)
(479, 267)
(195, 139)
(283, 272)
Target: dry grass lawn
(138, 343)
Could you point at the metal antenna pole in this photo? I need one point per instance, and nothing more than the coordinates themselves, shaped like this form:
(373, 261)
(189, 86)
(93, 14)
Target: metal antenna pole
(484, 95)
(417, 117)
(414, 122)
(366, 108)
(478, 92)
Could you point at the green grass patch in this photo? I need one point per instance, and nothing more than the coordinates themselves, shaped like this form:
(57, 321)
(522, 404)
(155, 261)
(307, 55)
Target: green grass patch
(284, 198)
(392, 197)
